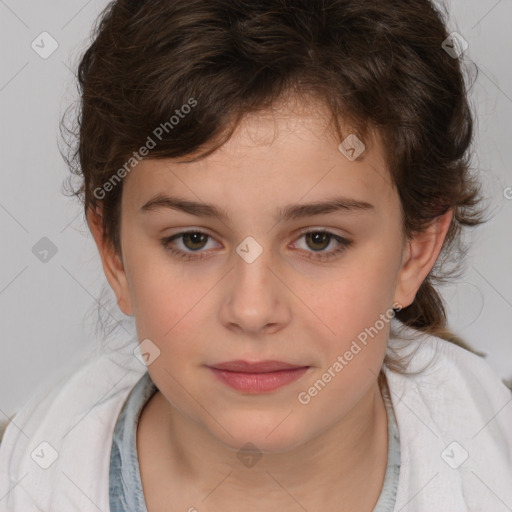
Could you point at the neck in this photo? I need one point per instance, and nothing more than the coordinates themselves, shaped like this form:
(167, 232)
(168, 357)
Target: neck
(342, 467)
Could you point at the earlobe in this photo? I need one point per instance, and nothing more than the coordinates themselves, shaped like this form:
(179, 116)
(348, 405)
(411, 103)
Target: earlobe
(420, 255)
(111, 261)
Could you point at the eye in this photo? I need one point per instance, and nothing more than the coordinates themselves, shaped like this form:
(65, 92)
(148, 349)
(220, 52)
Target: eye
(192, 240)
(195, 241)
(318, 240)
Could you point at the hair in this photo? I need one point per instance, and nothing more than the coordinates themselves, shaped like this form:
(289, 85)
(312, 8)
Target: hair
(378, 66)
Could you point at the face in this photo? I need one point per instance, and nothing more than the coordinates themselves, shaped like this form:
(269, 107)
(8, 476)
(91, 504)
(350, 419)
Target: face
(253, 285)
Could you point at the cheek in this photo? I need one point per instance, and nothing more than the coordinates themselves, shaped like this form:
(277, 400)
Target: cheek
(169, 309)
(356, 295)
(358, 309)
(166, 300)
(356, 304)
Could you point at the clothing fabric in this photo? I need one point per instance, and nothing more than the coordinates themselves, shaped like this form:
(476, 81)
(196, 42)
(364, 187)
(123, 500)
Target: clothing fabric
(126, 494)
(454, 418)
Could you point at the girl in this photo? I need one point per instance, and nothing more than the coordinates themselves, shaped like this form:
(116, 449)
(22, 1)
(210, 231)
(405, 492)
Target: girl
(270, 185)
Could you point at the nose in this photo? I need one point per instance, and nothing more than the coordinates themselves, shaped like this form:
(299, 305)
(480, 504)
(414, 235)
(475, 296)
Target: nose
(255, 298)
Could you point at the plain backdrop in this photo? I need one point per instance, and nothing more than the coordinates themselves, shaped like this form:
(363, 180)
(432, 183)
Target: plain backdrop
(48, 299)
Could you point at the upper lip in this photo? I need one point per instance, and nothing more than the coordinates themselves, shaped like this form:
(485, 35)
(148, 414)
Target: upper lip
(256, 367)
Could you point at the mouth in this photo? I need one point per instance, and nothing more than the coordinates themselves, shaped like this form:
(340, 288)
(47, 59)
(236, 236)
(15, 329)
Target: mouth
(258, 377)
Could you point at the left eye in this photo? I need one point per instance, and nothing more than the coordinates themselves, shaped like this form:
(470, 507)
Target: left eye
(320, 238)
(194, 241)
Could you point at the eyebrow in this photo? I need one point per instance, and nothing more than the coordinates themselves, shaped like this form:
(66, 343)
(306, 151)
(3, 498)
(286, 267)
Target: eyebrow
(287, 213)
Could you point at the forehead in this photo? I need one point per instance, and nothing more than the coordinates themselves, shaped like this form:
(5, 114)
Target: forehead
(275, 156)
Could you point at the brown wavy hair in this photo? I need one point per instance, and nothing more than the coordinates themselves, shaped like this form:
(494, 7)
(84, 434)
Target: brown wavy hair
(378, 65)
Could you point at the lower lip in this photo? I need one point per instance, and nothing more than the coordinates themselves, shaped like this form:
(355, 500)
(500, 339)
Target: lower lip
(258, 382)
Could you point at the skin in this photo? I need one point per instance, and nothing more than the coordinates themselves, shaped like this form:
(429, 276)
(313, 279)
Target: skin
(285, 305)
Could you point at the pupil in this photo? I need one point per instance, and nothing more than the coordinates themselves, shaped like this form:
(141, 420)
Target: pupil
(318, 238)
(196, 239)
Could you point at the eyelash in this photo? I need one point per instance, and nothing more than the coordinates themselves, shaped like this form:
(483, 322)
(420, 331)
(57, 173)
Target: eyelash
(322, 256)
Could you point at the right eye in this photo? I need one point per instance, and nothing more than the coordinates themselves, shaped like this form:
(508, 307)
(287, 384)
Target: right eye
(192, 240)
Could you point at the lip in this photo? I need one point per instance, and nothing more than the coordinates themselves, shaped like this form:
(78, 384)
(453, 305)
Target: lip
(259, 377)
(256, 367)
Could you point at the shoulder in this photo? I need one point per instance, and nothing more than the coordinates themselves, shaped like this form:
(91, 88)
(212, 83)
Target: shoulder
(92, 381)
(454, 416)
(448, 375)
(428, 357)
(81, 404)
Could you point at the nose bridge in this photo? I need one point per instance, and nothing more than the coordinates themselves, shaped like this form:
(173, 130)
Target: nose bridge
(252, 274)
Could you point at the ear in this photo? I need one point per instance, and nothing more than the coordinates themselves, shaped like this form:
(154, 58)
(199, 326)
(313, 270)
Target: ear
(112, 262)
(419, 256)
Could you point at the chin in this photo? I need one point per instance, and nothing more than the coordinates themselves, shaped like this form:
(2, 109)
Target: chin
(270, 436)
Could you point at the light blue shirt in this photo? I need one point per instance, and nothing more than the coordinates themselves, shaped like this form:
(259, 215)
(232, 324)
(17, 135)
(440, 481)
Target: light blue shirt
(125, 483)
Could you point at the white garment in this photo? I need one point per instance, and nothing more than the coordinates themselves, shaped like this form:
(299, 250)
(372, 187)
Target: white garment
(456, 407)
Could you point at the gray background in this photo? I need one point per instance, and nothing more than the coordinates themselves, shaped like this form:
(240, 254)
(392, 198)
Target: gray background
(47, 309)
